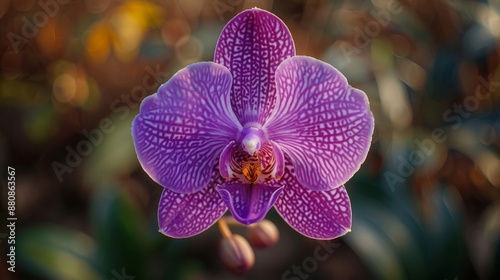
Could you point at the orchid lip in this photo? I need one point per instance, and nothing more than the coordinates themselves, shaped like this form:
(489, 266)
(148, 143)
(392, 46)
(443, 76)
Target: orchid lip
(264, 164)
(249, 203)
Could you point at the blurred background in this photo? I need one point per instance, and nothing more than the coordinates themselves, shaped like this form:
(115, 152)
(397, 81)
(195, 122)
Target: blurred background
(426, 202)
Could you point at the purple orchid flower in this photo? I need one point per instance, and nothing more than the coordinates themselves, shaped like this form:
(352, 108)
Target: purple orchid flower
(257, 128)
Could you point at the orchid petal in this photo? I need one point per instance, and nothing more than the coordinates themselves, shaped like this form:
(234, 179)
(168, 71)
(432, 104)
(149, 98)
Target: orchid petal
(280, 160)
(319, 215)
(183, 215)
(323, 125)
(181, 130)
(225, 160)
(249, 203)
(251, 46)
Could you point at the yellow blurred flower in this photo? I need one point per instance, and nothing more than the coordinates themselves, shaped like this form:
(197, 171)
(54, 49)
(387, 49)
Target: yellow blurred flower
(123, 31)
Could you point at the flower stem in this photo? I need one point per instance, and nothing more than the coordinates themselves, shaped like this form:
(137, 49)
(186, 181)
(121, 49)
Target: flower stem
(232, 222)
(224, 228)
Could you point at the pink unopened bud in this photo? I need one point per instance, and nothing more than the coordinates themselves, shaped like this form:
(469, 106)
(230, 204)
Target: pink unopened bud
(263, 234)
(236, 254)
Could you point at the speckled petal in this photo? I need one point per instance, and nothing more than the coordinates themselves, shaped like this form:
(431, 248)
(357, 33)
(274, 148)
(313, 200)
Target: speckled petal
(323, 125)
(315, 214)
(184, 215)
(249, 203)
(181, 130)
(251, 46)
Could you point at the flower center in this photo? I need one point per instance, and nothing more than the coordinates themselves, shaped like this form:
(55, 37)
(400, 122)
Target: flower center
(252, 139)
(251, 144)
(251, 159)
(252, 168)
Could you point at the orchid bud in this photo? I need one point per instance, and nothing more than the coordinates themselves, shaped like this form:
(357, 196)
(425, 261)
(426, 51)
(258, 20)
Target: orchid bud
(263, 234)
(236, 254)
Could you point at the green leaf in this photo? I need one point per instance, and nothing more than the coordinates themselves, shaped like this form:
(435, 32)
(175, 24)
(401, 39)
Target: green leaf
(114, 154)
(120, 232)
(57, 253)
(446, 233)
(385, 242)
